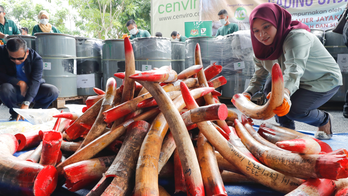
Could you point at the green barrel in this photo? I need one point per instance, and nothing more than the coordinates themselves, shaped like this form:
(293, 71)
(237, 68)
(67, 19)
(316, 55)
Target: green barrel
(178, 56)
(238, 65)
(113, 60)
(88, 63)
(58, 52)
(335, 45)
(207, 46)
(151, 52)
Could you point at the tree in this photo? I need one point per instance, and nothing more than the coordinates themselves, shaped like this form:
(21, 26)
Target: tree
(106, 19)
(24, 14)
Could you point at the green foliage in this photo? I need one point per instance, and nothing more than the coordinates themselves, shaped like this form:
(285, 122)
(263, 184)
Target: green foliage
(24, 14)
(106, 19)
(103, 19)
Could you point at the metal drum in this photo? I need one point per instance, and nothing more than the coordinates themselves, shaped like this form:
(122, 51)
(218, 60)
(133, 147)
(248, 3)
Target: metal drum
(238, 67)
(320, 33)
(335, 45)
(58, 52)
(207, 45)
(29, 39)
(113, 60)
(151, 52)
(178, 56)
(88, 63)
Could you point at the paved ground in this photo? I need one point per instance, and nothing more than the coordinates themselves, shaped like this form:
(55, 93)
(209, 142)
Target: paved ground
(339, 123)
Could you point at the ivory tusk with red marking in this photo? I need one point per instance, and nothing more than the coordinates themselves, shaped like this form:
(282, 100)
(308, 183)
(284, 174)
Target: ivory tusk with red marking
(51, 143)
(82, 174)
(278, 133)
(301, 166)
(212, 70)
(131, 105)
(103, 141)
(265, 111)
(182, 139)
(74, 131)
(20, 177)
(190, 71)
(213, 183)
(124, 165)
(99, 125)
(179, 177)
(314, 187)
(98, 91)
(232, 178)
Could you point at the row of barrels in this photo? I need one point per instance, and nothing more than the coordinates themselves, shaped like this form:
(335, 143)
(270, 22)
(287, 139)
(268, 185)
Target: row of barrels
(77, 64)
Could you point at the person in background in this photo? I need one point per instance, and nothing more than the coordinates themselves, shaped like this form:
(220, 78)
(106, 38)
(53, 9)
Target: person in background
(24, 31)
(158, 34)
(43, 25)
(227, 27)
(7, 27)
(134, 31)
(311, 75)
(177, 37)
(21, 76)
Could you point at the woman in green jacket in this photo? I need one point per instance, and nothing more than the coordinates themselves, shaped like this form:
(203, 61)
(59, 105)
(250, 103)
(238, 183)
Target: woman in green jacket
(311, 74)
(43, 25)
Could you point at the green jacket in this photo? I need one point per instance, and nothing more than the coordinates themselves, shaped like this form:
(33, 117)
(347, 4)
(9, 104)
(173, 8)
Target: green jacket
(182, 38)
(10, 28)
(305, 64)
(37, 29)
(141, 33)
(228, 29)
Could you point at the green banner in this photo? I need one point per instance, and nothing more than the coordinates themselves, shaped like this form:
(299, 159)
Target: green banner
(198, 28)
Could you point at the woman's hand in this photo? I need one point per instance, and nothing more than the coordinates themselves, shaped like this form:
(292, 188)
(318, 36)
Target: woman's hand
(283, 109)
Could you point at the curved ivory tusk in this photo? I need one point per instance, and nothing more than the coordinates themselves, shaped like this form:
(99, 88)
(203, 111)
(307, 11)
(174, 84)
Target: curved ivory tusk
(130, 106)
(263, 112)
(99, 125)
(301, 166)
(275, 133)
(212, 180)
(18, 177)
(212, 70)
(188, 72)
(182, 139)
(314, 187)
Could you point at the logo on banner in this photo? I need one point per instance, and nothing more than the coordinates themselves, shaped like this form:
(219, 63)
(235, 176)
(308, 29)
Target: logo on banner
(194, 32)
(203, 30)
(240, 13)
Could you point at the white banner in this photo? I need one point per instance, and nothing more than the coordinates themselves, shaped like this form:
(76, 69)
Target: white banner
(320, 14)
(171, 15)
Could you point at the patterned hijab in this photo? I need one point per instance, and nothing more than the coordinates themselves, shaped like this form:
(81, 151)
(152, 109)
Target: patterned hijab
(47, 27)
(281, 19)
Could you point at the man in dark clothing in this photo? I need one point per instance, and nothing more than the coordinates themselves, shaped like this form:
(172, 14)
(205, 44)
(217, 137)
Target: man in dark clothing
(21, 78)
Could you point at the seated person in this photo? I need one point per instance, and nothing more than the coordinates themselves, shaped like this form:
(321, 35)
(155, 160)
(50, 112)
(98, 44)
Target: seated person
(21, 76)
(43, 25)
